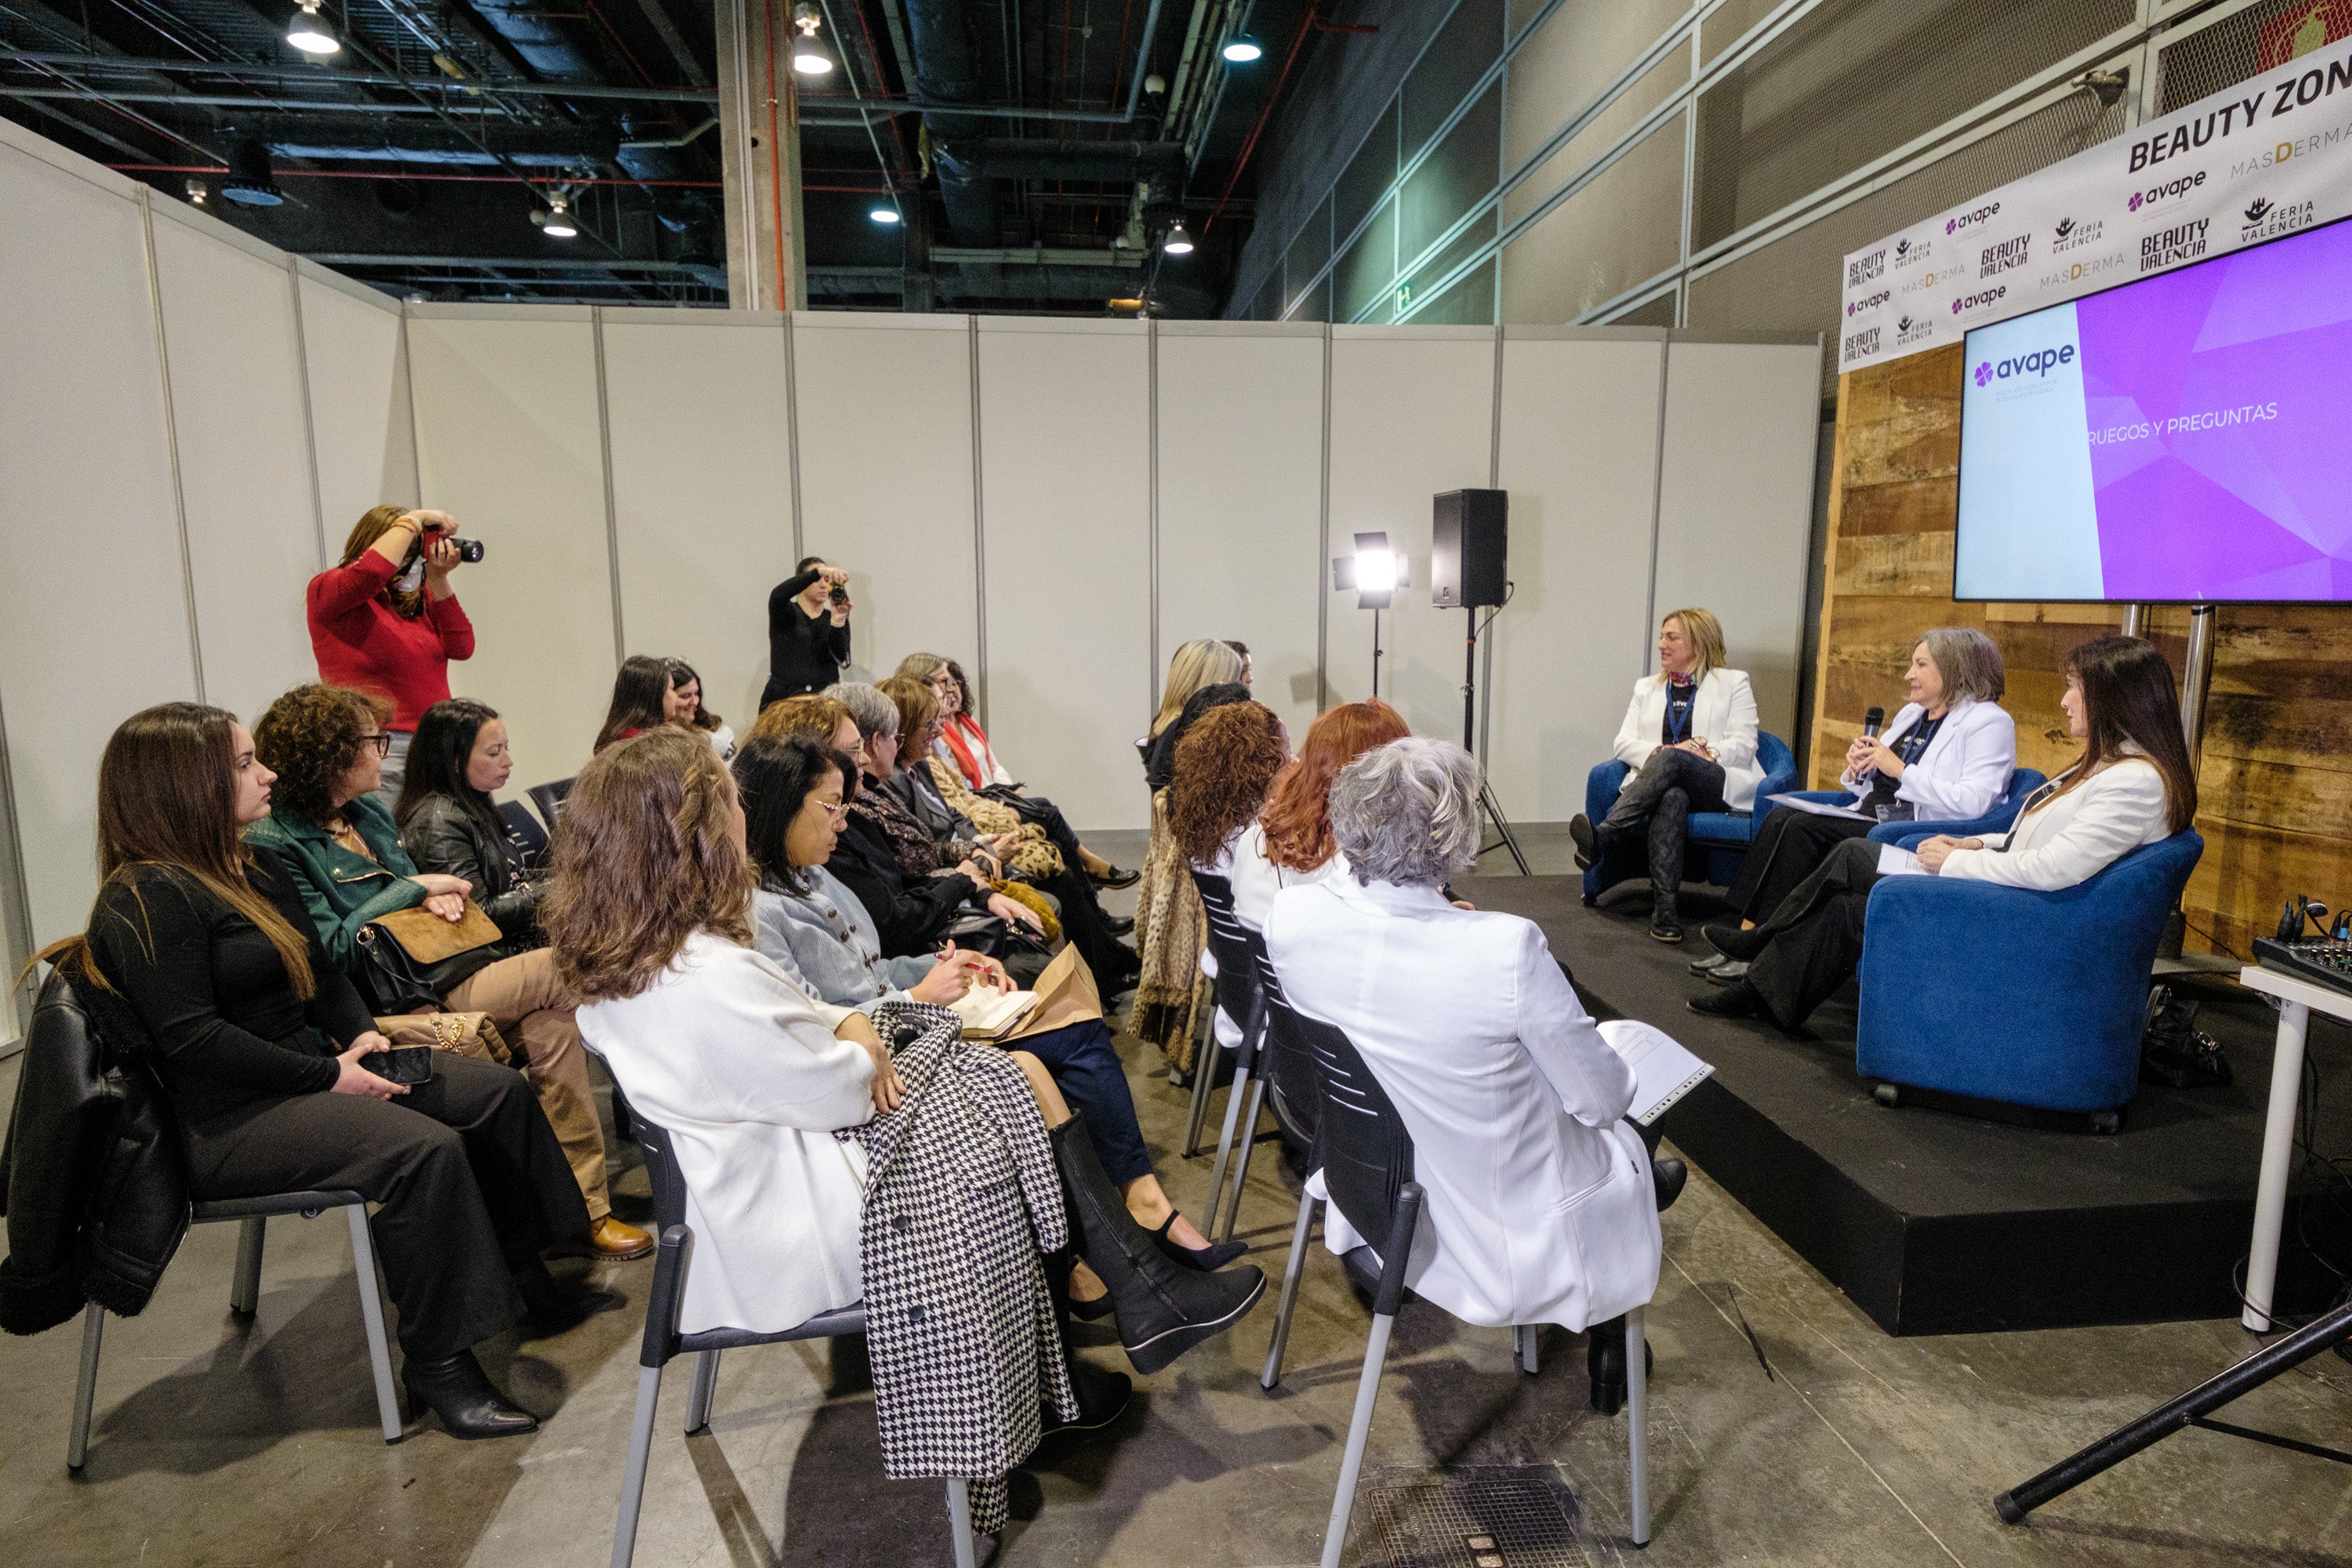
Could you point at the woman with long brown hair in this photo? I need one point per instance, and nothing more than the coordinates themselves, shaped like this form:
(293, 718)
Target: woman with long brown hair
(200, 957)
(385, 620)
(2132, 786)
(1297, 813)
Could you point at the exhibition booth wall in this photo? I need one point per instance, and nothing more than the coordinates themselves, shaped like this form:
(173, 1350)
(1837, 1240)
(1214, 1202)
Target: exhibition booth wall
(191, 421)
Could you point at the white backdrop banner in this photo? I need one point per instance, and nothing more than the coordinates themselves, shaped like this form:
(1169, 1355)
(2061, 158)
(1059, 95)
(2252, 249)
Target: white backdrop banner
(2265, 158)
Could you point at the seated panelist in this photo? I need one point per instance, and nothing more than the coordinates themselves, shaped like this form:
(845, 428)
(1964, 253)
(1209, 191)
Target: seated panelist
(1689, 737)
(2132, 786)
(1947, 756)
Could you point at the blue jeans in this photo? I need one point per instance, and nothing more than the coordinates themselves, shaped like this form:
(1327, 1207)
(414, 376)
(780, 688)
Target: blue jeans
(1086, 1068)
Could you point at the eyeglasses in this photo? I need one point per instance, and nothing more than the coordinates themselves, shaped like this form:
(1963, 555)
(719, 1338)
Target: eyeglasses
(835, 809)
(382, 740)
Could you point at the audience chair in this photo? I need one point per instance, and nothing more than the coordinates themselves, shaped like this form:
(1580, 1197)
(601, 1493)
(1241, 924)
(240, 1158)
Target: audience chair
(1241, 957)
(1718, 839)
(2022, 782)
(549, 799)
(525, 832)
(2023, 997)
(663, 1343)
(1294, 1092)
(1367, 1159)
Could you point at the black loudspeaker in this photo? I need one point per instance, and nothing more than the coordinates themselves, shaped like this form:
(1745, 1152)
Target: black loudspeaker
(1468, 549)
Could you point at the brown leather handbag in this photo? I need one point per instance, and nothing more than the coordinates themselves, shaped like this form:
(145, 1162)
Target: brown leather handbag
(465, 1034)
(409, 959)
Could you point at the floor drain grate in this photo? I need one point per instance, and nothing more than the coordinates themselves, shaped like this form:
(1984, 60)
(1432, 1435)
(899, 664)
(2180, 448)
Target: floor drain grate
(1485, 1523)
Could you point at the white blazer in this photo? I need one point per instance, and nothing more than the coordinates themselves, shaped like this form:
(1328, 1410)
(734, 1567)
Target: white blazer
(1965, 768)
(742, 1067)
(1723, 716)
(2072, 837)
(1541, 1208)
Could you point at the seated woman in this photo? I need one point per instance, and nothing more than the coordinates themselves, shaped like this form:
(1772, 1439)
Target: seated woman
(652, 921)
(1295, 823)
(1689, 737)
(794, 793)
(1226, 766)
(817, 717)
(650, 690)
(1194, 667)
(685, 695)
(1542, 1207)
(1947, 756)
(962, 747)
(2132, 786)
(448, 822)
(201, 955)
(343, 853)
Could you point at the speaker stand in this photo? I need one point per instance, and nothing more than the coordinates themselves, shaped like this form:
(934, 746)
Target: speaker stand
(1504, 839)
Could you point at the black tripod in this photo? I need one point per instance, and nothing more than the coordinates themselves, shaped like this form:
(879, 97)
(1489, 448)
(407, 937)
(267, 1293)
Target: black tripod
(1504, 837)
(2319, 1336)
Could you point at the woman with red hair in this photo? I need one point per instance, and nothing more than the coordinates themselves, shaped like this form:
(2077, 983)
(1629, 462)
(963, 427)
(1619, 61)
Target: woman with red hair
(1293, 839)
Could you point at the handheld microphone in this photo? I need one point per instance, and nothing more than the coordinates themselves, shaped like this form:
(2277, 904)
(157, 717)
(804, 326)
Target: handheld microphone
(1874, 720)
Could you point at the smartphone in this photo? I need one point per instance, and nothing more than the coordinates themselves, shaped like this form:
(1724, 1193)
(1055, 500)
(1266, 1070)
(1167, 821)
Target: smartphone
(403, 1063)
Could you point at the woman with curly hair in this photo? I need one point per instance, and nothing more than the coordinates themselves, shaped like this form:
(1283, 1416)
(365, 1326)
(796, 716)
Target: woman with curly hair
(1298, 814)
(343, 854)
(1224, 770)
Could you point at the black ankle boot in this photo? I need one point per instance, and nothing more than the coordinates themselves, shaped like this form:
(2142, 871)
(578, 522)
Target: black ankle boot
(1102, 1399)
(459, 1392)
(1589, 846)
(550, 1307)
(1604, 1358)
(1163, 1308)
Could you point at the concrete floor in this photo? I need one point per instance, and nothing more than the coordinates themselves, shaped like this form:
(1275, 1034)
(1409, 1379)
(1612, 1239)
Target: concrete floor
(1820, 1441)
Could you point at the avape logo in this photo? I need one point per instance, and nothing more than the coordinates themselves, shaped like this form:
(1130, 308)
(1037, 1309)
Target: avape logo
(1984, 374)
(1871, 302)
(1972, 218)
(1982, 297)
(2035, 362)
(2171, 190)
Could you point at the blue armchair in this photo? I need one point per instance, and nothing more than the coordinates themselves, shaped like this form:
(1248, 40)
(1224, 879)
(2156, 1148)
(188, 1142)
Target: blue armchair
(1718, 839)
(2022, 782)
(2007, 995)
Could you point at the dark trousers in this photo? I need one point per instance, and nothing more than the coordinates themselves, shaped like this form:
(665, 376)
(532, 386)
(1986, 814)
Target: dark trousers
(1086, 1069)
(1113, 963)
(1658, 800)
(1816, 935)
(470, 1173)
(1790, 847)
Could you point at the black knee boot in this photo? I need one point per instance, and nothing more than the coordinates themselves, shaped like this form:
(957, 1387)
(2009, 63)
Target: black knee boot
(1163, 1308)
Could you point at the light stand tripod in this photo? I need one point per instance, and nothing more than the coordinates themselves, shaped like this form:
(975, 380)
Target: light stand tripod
(1487, 802)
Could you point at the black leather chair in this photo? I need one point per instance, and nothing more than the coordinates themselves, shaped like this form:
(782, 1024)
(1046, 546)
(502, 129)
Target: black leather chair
(549, 799)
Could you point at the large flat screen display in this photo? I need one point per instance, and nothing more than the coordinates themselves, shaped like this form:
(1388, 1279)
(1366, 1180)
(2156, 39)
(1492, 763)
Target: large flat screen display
(2181, 438)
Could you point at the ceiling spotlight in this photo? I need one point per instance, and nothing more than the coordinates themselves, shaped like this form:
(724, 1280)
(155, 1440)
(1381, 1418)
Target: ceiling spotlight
(555, 222)
(883, 215)
(810, 56)
(1242, 48)
(198, 192)
(1177, 243)
(250, 182)
(310, 33)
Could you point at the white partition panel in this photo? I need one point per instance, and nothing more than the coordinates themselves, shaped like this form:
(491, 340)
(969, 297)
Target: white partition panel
(1064, 433)
(1736, 500)
(94, 613)
(701, 489)
(1412, 416)
(885, 409)
(1579, 460)
(509, 441)
(1240, 495)
(244, 459)
(361, 421)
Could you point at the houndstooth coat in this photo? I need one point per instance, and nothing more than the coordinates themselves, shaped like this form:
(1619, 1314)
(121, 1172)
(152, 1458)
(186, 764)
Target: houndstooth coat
(961, 1197)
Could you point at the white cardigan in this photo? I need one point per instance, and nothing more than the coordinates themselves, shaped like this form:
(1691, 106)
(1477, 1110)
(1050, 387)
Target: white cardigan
(1723, 715)
(2072, 837)
(741, 1067)
(1965, 768)
(1541, 1208)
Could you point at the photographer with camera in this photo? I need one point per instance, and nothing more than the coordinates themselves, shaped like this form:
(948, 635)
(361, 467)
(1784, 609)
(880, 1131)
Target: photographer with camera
(808, 630)
(386, 621)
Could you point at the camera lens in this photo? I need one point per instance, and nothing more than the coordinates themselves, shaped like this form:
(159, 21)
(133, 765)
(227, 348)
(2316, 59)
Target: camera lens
(468, 549)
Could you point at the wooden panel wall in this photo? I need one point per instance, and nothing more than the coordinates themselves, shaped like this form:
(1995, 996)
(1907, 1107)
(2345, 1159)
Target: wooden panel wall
(2274, 784)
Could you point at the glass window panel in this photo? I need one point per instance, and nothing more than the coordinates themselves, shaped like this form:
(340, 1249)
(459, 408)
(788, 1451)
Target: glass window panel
(1452, 179)
(1366, 179)
(1364, 272)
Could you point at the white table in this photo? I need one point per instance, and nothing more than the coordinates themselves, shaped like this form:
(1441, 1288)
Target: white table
(2297, 998)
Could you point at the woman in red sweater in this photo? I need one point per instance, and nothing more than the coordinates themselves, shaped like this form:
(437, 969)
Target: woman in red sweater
(387, 622)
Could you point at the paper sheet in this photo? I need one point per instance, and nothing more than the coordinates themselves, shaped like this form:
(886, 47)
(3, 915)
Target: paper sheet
(1662, 1070)
(1819, 807)
(1895, 862)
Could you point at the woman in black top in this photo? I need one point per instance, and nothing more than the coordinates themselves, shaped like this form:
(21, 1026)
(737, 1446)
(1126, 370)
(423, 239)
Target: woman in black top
(201, 955)
(808, 630)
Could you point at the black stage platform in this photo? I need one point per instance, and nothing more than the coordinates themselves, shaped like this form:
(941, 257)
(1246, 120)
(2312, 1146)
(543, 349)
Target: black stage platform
(1937, 1223)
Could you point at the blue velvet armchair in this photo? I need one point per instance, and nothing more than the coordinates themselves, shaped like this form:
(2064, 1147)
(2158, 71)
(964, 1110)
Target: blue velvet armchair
(2022, 782)
(1718, 839)
(2007, 995)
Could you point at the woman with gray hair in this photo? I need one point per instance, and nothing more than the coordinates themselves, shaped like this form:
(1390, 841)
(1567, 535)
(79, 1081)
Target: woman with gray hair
(1543, 1205)
(1947, 758)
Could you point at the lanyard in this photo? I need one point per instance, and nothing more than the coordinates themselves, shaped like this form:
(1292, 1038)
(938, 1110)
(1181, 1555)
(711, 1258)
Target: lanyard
(1677, 732)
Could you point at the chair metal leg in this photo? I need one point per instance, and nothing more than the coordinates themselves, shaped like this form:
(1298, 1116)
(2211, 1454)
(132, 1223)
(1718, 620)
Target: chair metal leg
(703, 1392)
(245, 1285)
(967, 1554)
(93, 1329)
(1205, 1076)
(633, 1477)
(1233, 1098)
(1637, 1423)
(387, 1399)
(1524, 1340)
(1247, 1138)
(1360, 1428)
(1272, 1376)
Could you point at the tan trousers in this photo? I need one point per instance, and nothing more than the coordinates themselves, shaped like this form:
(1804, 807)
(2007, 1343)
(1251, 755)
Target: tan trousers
(528, 1004)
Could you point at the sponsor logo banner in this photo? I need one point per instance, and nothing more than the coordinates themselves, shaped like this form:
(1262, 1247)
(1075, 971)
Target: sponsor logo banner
(2268, 157)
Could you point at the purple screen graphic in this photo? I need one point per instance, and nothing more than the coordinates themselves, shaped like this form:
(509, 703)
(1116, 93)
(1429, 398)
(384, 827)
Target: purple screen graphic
(2217, 401)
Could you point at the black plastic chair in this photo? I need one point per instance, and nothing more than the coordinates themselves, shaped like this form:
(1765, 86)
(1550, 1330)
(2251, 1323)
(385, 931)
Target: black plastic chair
(549, 798)
(663, 1343)
(1240, 958)
(1366, 1160)
(1294, 1089)
(525, 833)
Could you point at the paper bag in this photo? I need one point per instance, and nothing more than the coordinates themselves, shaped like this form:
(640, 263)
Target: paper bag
(1066, 995)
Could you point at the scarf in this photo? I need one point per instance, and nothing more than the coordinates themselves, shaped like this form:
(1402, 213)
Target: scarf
(967, 764)
(918, 853)
(1171, 931)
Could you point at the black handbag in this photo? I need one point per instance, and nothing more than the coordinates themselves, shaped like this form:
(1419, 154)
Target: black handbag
(1033, 811)
(397, 980)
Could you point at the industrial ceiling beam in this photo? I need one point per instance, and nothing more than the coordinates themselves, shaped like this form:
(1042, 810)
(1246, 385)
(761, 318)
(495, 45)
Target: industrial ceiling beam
(327, 76)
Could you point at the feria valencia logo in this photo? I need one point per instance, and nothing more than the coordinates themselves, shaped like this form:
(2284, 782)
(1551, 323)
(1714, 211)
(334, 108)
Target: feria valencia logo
(2037, 364)
(1981, 297)
(1972, 217)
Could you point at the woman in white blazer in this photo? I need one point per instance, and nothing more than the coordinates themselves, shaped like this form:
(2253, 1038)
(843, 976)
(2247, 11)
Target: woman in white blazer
(1947, 756)
(2132, 786)
(1542, 1205)
(1689, 740)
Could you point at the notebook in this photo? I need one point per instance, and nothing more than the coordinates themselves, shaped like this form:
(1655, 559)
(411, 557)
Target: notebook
(1662, 1070)
(990, 1014)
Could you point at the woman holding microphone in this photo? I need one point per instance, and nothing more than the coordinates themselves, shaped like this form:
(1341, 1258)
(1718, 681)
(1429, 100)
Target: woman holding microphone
(387, 622)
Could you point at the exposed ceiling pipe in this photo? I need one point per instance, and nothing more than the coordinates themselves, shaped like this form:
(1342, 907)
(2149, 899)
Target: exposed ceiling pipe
(344, 133)
(1043, 158)
(975, 108)
(313, 77)
(658, 17)
(947, 73)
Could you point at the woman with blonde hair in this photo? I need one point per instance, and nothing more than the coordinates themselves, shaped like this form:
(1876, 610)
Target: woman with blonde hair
(1688, 744)
(1203, 662)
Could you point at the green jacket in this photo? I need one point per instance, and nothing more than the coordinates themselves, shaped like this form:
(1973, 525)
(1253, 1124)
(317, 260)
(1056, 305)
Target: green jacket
(342, 890)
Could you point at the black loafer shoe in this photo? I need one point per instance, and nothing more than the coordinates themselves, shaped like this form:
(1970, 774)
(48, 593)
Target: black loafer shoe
(1587, 842)
(1118, 925)
(1738, 1000)
(1730, 973)
(1668, 1174)
(1733, 942)
(1115, 878)
(1708, 965)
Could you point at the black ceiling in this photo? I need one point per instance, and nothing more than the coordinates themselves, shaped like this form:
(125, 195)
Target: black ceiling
(415, 157)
